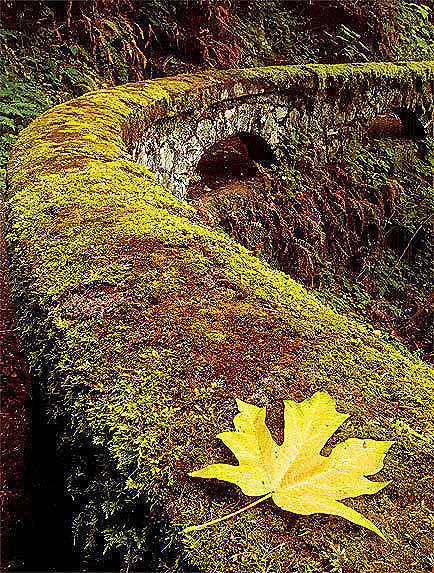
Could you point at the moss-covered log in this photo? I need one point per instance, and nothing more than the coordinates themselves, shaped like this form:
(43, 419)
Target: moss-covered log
(148, 324)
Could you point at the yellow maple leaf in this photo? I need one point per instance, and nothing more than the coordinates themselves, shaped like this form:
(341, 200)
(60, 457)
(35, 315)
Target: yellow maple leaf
(295, 474)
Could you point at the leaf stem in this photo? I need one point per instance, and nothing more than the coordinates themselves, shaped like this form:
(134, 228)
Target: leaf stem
(213, 521)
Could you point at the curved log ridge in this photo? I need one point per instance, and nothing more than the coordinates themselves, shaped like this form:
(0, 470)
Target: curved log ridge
(147, 325)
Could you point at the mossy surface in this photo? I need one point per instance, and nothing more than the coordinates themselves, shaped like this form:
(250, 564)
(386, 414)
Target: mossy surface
(150, 324)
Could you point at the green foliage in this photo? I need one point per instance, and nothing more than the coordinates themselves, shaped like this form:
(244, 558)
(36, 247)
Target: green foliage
(33, 78)
(337, 31)
(21, 100)
(398, 264)
(277, 33)
(412, 23)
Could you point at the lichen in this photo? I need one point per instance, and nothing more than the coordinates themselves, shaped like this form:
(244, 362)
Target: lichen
(148, 324)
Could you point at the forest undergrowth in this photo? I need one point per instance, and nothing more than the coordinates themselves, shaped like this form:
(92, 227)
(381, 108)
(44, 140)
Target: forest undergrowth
(358, 232)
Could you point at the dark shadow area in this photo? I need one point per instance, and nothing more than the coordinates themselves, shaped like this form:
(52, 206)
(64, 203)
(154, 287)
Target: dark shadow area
(237, 157)
(258, 149)
(401, 123)
(412, 127)
(48, 540)
(67, 475)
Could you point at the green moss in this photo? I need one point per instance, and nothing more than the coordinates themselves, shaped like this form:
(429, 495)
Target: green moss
(149, 324)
